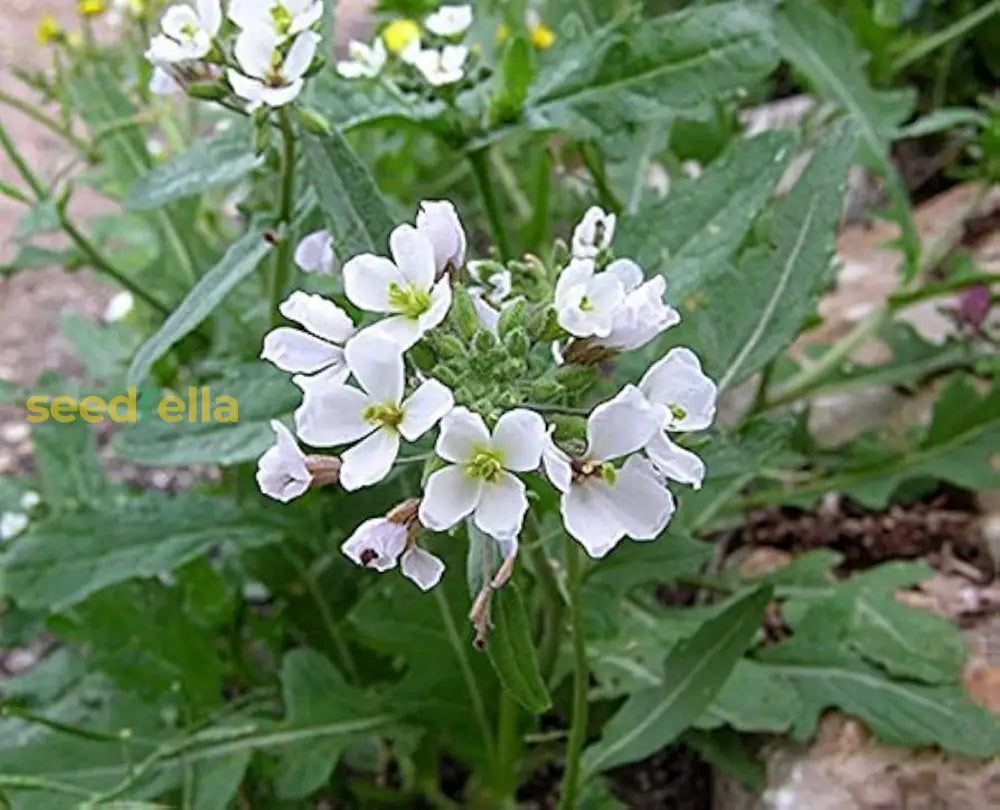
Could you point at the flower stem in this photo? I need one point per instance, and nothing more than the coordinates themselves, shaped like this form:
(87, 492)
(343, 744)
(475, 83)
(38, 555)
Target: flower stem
(578, 723)
(46, 121)
(481, 171)
(283, 252)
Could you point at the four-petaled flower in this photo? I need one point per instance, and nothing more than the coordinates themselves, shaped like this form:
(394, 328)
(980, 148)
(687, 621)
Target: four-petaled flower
(441, 67)
(185, 33)
(586, 301)
(280, 18)
(268, 76)
(366, 61)
(404, 287)
(642, 313)
(317, 351)
(449, 21)
(594, 233)
(284, 472)
(602, 503)
(376, 414)
(479, 479)
(438, 221)
(378, 543)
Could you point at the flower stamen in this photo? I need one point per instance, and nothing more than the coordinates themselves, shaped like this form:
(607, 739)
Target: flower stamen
(486, 465)
(385, 415)
(409, 301)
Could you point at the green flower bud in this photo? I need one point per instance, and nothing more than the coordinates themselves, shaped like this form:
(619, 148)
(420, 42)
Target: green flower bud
(463, 314)
(517, 343)
(446, 375)
(512, 317)
(261, 139)
(568, 428)
(313, 122)
(464, 396)
(545, 389)
(507, 400)
(261, 116)
(484, 343)
(449, 346)
(576, 379)
(560, 255)
(422, 355)
(543, 324)
(209, 91)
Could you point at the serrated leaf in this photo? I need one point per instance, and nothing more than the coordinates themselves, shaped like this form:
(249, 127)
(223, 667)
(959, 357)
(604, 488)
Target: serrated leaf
(694, 672)
(511, 650)
(356, 212)
(755, 310)
(210, 162)
(64, 559)
(690, 234)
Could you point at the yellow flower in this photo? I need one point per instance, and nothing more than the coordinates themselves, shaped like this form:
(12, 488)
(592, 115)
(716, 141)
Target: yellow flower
(400, 33)
(48, 30)
(91, 8)
(542, 36)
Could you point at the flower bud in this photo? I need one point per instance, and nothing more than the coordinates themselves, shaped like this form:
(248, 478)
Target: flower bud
(208, 91)
(569, 428)
(484, 343)
(545, 389)
(449, 347)
(422, 356)
(463, 313)
(313, 122)
(576, 379)
(446, 374)
(325, 470)
(543, 325)
(512, 317)
(560, 255)
(517, 343)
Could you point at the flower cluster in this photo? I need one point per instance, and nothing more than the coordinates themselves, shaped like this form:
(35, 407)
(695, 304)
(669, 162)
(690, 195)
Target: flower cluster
(434, 51)
(264, 64)
(462, 349)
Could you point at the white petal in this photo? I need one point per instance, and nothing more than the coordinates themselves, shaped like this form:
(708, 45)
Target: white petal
(300, 56)
(210, 12)
(281, 472)
(449, 495)
(351, 70)
(280, 96)
(254, 49)
(377, 540)
(245, 87)
(319, 315)
(314, 253)
(424, 408)
(178, 19)
(463, 433)
(519, 436)
(161, 83)
(309, 17)
(573, 282)
(678, 383)
(398, 329)
(369, 461)
(440, 304)
(627, 271)
(377, 364)
(621, 425)
(331, 414)
(676, 463)
(643, 505)
(606, 294)
(367, 279)
(502, 506)
(293, 350)
(453, 57)
(439, 222)
(590, 518)
(244, 12)
(558, 468)
(422, 568)
(12, 524)
(449, 21)
(587, 241)
(414, 256)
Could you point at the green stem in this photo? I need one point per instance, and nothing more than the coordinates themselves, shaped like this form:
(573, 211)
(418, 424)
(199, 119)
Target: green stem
(578, 723)
(286, 202)
(19, 163)
(604, 193)
(507, 745)
(481, 171)
(553, 602)
(39, 783)
(46, 121)
(957, 29)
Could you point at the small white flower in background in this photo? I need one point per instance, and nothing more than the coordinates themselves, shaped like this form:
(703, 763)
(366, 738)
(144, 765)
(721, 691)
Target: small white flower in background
(378, 543)
(281, 18)
(119, 307)
(366, 61)
(282, 472)
(29, 500)
(489, 294)
(684, 398)
(12, 524)
(586, 301)
(376, 413)
(479, 480)
(438, 221)
(643, 314)
(404, 288)
(314, 253)
(594, 233)
(268, 77)
(600, 502)
(449, 21)
(186, 34)
(440, 67)
(318, 350)
(161, 83)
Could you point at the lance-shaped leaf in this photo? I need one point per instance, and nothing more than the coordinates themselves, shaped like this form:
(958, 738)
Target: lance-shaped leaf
(511, 650)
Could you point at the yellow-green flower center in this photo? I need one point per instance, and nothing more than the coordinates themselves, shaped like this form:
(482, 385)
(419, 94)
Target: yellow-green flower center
(189, 30)
(281, 17)
(486, 465)
(385, 415)
(609, 473)
(586, 305)
(408, 301)
(677, 411)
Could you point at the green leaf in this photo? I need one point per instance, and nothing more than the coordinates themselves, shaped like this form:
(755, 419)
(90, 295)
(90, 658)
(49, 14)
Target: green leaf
(696, 669)
(103, 350)
(356, 212)
(670, 558)
(511, 650)
(513, 80)
(943, 119)
(634, 71)
(347, 106)
(724, 749)
(217, 781)
(755, 310)
(64, 559)
(752, 700)
(70, 468)
(210, 162)
(690, 235)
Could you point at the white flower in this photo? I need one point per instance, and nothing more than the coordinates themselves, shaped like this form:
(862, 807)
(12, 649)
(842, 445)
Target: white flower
(684, 398)
(314, 253)
(282, 472)
(378, 543)
(586, 301)
(12, 524)
(186, 34)
(280, 18)
(268, 77)
(334, 414)
(593, 234)
(29, 500)
(489, 294)
(404, 287)
(601, 503)
(162, 83)
(366, 61)
(440, 67)
(642, 314)
(318, 350)
(449, 21)
(118, 308)
(479, 479)
(439, 222)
